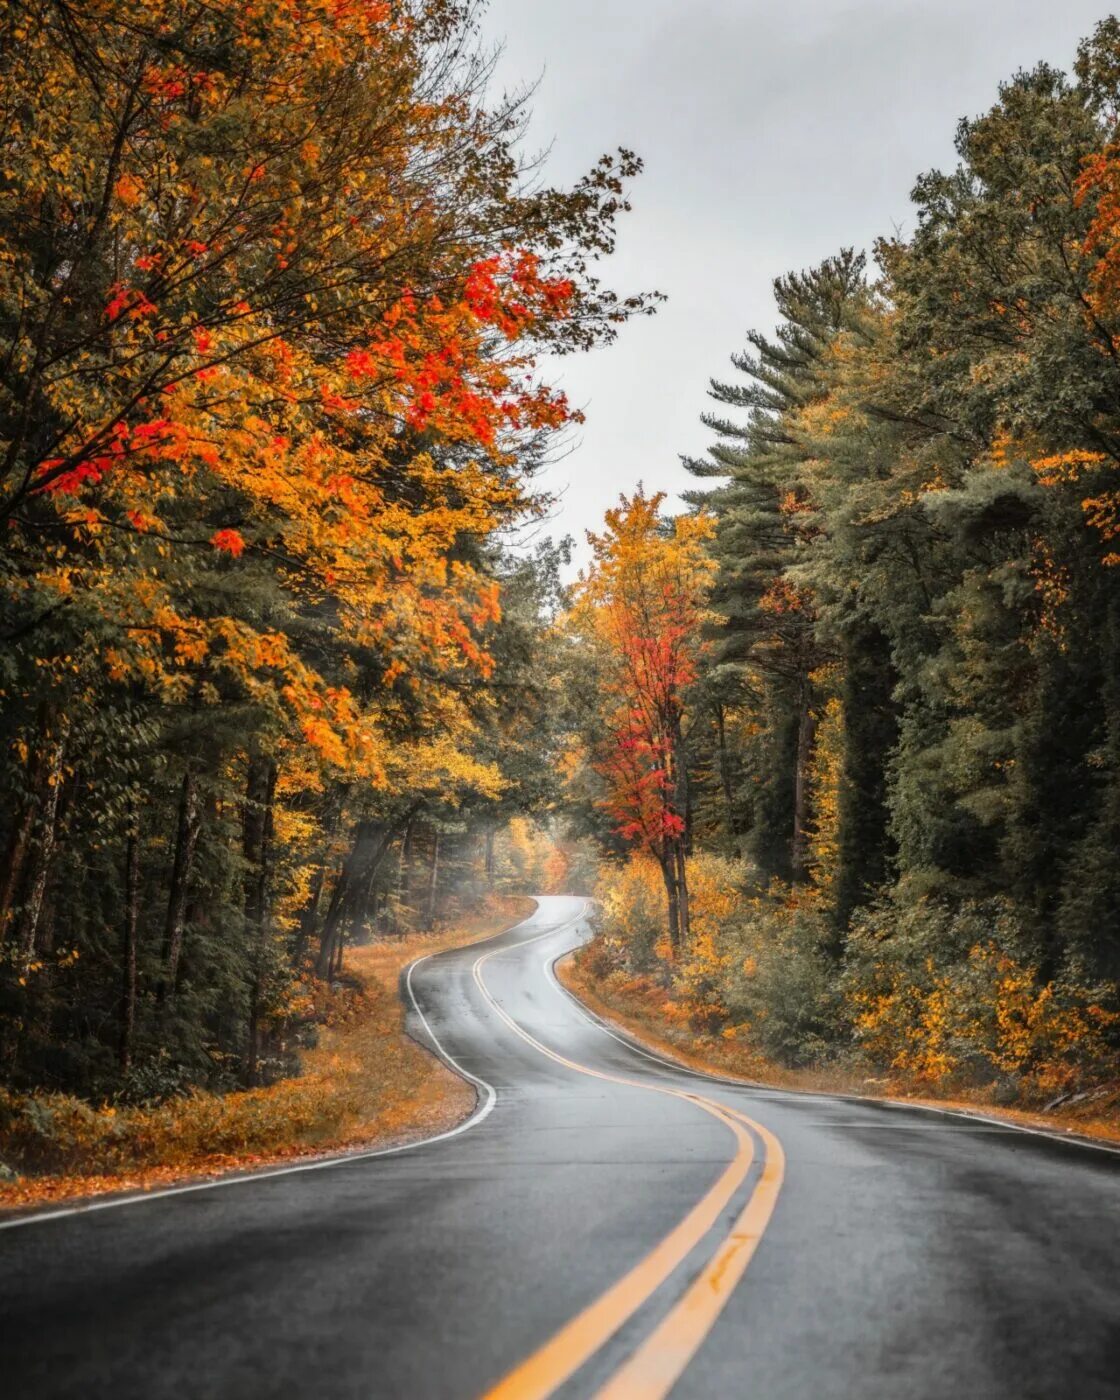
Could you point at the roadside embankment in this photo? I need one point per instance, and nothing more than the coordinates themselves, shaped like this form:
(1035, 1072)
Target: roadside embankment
(366, 1084)
(653, 1016)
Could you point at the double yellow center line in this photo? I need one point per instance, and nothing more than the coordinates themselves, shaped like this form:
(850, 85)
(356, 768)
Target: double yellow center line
(653, 1369)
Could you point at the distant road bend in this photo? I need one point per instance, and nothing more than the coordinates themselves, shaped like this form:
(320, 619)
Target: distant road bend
(605, 1225)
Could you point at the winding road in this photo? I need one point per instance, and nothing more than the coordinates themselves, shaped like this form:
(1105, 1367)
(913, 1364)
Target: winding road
(606, 1224)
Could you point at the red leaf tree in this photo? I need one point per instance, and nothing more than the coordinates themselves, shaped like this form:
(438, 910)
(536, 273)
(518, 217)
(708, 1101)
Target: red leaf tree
(640, 606)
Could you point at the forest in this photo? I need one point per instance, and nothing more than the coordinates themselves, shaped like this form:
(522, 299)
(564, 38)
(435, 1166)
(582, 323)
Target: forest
(287, 664)
(858, 742)
(274, 279)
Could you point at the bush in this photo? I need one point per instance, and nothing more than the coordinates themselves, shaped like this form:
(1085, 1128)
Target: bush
(955, 995)
(715, 886)
(942, 994)
(631, 915)
(755, 961)
(781, 984)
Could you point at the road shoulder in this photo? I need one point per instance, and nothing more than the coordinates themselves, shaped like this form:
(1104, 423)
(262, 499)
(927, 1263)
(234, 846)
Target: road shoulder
(631, 1011)
(367, 1086)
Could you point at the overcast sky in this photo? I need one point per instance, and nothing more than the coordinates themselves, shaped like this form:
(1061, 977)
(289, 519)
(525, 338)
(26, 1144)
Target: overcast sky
(773, 134)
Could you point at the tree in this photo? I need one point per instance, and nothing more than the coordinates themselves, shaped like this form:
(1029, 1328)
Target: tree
(639, 608)
(763, 513)
(273, 283)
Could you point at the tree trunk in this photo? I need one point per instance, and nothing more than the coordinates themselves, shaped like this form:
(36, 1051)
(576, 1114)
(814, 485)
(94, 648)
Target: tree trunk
(308, 917)
(802, 797)
(18, 849)
(672, 897)
(724, 762)
(726, 782)
(325, 960)
(39, 861)
(186, 840)
(404, 872)
(365, 903)
(433, 883)
(490, 835)
(865, 846)
(257, 835)
(371, 841)
(684, 917)
(683, 799)
(677, 846)
(129, 940)
(20, 842)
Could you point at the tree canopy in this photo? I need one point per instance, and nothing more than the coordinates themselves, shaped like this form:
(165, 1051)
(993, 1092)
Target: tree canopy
(274, 280)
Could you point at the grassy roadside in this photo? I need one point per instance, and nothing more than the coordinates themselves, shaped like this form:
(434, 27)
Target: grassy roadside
(366, 1084)
(647, 1011)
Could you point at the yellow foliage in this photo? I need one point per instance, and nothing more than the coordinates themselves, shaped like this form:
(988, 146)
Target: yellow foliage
(528, 858)
(631, 908)
(713, 885)
(632, 912)
(991, 1009)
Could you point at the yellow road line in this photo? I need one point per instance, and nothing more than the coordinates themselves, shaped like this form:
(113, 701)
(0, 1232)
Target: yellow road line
(657, 1365)
(560, 1357)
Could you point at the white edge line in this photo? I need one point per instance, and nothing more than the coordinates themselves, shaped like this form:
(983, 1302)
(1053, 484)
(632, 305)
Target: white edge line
(483, 1111)
(1069, 1139)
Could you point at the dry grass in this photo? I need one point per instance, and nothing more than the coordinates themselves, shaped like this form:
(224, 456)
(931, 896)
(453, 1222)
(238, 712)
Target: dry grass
(647, 1011)
(366, 1084)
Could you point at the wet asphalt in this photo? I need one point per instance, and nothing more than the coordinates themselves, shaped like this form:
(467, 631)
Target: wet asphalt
(911, 1254)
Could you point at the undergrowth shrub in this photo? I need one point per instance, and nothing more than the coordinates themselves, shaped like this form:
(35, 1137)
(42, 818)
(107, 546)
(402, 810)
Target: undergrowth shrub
(780, 984)
(943, 995)
(159, 1120)
(955, 995)
(630, 900)
(715, 892)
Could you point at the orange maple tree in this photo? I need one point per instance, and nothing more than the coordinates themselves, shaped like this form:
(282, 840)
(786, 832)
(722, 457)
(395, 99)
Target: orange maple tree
(286, 319)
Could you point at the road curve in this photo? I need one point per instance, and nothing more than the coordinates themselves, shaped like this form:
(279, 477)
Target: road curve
(606, 1225)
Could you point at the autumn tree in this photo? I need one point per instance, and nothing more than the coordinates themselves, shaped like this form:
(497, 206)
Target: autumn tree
(273, 281)
(637, 610)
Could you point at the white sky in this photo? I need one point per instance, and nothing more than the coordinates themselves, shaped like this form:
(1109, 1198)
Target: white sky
(773, 134)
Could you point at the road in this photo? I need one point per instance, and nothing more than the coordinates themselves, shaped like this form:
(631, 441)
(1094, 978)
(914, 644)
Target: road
(606, 1225)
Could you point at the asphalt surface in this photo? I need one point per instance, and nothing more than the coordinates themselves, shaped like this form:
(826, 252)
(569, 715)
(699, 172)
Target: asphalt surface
(909, 1254)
